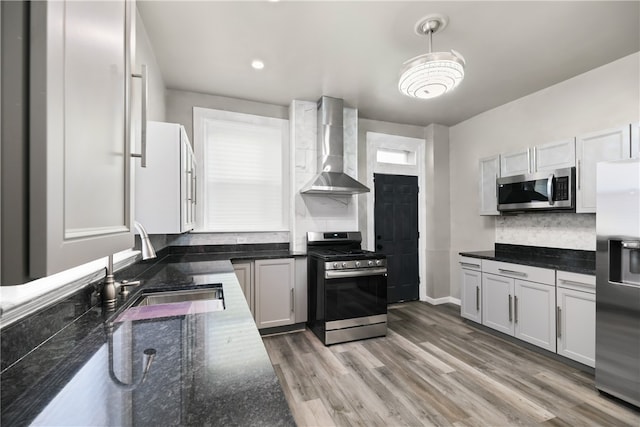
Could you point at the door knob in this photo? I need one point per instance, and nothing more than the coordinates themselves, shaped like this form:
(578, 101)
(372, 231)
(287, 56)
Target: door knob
(379, 237)
(379, 247)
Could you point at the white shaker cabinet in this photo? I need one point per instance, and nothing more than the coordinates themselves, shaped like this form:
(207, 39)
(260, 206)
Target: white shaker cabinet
(554, 155)
(576, 317)
(607, 145)
(534, 313)
(244, 273)
(274, 292)
(519, 300)
(165, 188)
(80, 134)
(471, 289)
(489, 172)
(515, 163)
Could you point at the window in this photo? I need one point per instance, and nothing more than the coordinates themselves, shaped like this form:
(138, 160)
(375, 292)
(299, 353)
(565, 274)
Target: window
(396, 157)
(244, 170)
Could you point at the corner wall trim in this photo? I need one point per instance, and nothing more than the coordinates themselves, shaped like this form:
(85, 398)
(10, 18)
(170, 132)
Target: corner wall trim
(443, 300)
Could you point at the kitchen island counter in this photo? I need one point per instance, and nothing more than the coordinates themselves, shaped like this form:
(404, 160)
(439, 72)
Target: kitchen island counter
(210, 368)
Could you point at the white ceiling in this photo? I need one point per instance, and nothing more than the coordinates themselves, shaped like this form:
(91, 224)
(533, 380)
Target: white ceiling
(355, 49)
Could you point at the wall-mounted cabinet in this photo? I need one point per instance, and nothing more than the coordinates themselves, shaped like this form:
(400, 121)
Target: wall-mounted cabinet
(489, 173)
(515, 163)
(635, 140)
(554, 155)
(165, 189)
(607, 145)
(79, 141)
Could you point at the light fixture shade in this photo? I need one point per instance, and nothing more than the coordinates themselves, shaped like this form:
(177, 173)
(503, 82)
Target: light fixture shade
(431, 75)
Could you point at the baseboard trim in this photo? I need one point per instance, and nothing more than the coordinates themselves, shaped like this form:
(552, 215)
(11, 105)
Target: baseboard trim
(443, 300)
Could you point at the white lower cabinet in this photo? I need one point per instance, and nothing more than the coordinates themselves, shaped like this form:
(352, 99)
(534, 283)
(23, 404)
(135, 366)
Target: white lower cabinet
(275, 289)
(274, 285)
(522, 308)
(576, 316)
(471, 289)
(533, 313)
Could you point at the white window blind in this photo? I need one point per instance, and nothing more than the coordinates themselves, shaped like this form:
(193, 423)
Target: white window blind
(244, 162)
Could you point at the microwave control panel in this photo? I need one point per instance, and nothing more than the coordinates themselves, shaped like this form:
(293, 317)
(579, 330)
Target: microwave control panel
(561, 188)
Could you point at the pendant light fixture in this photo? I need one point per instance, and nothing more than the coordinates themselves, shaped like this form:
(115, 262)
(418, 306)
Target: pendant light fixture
(433, 73)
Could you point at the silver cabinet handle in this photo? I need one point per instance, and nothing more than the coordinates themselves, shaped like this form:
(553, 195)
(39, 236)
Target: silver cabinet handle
(468, 264)
(630, 244)
(292, 300)
(510, 312)
(558, 324)
(534, 166)
(515, 273)
(515, 307)
(477, 298)
(193, 187)
(578, 171)
(143, 116)
(550, 189)
(573, 282)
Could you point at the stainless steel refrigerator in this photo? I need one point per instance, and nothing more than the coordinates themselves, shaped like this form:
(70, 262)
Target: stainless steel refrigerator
(618, 280)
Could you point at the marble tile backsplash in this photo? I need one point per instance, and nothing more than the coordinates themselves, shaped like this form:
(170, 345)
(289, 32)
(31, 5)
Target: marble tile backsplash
(555, 230)
(203, 239)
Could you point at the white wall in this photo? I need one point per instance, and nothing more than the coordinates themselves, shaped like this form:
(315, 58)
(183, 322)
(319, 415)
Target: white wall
(602, 98)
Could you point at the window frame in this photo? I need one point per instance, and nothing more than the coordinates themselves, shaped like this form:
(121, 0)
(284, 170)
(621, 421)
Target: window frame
(200, 115)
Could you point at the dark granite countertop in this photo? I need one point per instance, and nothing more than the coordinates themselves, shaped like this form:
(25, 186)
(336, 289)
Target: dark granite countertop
(575, 261)
(210, 367)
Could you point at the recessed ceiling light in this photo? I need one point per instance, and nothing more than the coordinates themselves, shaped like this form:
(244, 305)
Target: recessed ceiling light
(257, 64)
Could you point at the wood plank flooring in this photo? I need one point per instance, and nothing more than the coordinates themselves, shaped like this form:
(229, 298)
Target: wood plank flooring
(434, 369)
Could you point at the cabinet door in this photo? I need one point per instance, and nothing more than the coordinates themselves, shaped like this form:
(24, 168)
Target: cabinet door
(516, 163)
(274, 297)
(244, 273)
(489, 172)
(576, 331)
(534, 314)
(609, 145)
(79, 133)
(470, 290)
(497, 302)
(554, 155)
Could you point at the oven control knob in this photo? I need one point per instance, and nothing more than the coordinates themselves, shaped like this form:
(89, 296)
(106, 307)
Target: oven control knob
(335, 265)
(370, 263)
(357, 263)
(344, 265)
(378, 262)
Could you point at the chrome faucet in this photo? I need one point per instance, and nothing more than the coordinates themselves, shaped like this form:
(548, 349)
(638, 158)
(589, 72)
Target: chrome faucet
(109, 287)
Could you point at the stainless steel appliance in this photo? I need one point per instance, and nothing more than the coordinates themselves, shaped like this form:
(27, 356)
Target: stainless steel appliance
(549, 190)
(347, 288)
(618, 280)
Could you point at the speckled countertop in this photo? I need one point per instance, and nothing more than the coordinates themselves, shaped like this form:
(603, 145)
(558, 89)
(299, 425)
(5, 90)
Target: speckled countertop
(210, 368)
(575, 261)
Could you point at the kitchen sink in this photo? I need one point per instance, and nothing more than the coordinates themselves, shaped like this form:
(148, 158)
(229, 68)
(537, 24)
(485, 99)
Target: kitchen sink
(188, 295)
(170, 303)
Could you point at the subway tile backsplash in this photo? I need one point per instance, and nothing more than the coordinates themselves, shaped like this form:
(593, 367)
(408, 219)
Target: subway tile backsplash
(554, 230)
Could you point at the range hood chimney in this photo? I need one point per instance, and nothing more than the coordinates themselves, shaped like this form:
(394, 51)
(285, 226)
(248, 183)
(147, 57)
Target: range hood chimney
(331, 179)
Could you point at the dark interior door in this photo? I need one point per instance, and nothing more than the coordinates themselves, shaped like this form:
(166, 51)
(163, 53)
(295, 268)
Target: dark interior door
(396, 233)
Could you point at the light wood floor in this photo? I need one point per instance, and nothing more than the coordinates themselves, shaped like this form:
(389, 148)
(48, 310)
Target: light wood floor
(434, 369)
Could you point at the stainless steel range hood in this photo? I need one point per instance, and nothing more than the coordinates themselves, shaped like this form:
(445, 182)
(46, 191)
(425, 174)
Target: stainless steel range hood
(331, 179)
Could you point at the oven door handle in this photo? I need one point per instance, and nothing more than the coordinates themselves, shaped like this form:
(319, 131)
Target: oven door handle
(340, 274)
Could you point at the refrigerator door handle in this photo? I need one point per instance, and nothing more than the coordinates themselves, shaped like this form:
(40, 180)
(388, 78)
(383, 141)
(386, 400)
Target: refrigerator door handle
(630, 244)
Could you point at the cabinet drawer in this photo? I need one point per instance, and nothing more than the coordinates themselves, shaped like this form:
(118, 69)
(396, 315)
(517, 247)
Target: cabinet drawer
(470, 263)
(518, 271)
(576, 281)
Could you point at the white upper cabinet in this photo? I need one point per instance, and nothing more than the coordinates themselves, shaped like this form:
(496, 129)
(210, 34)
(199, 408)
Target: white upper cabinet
(554, 155)
(635, 140)
(608, 145)
(515, 163)
(165, 188)
(489, 172)
(79, 117)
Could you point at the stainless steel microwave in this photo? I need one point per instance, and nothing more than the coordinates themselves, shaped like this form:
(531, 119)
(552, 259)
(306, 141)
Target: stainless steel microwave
(540, 191)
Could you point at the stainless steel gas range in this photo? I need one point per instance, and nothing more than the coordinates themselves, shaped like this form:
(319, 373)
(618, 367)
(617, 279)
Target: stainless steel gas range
(347, 288)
